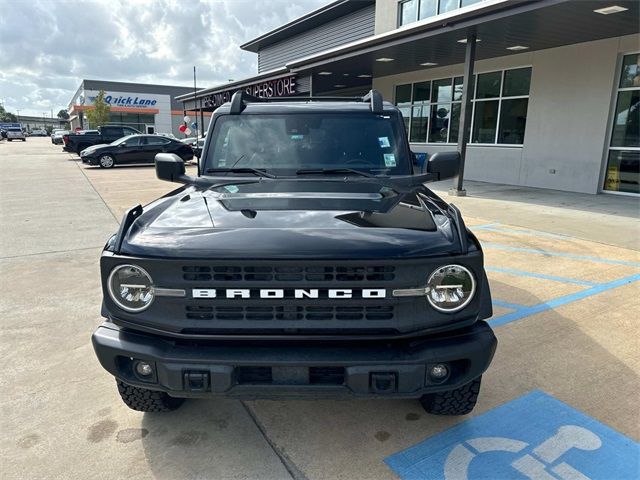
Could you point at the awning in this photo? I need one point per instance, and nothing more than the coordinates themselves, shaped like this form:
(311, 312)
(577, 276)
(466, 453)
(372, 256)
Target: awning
(500, 25)
(82, 108)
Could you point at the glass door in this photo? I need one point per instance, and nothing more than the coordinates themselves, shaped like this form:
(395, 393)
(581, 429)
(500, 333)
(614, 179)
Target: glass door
(623, 162)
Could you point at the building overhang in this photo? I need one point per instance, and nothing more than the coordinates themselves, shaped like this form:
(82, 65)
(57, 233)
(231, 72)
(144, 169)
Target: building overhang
(499, 25)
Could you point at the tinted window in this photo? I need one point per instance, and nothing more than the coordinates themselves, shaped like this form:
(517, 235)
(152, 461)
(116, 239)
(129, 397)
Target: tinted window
(286, 143)
(403, 94)
(133, 141)
(489, 85)
(516, 82)
(152, 140)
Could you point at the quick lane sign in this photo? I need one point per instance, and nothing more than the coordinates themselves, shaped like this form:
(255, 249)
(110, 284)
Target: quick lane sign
(278, 87)
(127, 101)
(533, 437)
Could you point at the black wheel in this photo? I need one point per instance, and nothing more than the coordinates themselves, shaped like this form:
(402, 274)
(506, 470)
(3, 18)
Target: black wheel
(24, 139)
(453, 402)
(106, 161)
(144, 400)
(10, 139)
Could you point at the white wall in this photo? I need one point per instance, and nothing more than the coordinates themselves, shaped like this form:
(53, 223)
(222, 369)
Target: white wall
(163, 104)
(567, 121)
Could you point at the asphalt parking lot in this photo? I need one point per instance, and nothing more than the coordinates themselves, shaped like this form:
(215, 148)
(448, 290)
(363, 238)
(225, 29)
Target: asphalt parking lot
(566, 369)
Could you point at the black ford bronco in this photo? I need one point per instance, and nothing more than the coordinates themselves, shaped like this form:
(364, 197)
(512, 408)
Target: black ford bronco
(305, 259)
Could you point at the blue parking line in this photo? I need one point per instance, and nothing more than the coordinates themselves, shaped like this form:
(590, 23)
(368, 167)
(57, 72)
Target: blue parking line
(483, 226)
(564, 300)
(542, 276)
(533, 233)
(549, 253)
(511, 306)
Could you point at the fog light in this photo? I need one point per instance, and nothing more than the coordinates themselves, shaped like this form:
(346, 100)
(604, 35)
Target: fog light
(144, 369)
(438, 371)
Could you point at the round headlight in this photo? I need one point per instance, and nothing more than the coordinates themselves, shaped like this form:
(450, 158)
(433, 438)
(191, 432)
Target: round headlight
(450, 288)
(131, 288)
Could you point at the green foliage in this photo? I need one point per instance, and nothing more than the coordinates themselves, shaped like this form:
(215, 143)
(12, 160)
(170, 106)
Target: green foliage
(63, 115)
(6, 116)
(99, 115)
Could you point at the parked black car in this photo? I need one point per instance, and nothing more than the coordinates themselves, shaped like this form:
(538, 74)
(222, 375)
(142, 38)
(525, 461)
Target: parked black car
(76, 142)
(305, 259)
(134, 149)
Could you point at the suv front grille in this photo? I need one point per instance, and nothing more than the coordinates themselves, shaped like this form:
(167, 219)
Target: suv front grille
(293, 312)
(195, 273)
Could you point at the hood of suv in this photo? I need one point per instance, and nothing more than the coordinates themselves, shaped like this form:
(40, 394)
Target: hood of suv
(290, 220)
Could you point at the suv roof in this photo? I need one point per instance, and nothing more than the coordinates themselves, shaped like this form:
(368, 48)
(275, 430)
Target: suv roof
(242, 101)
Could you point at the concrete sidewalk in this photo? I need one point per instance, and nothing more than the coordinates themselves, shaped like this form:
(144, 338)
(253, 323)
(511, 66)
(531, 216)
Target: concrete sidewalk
(604, 218)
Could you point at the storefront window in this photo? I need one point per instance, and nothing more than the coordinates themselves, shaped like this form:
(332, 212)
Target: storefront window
(489, 85)
(441, 91)
(499, 108)
(517, 82)
(486, 119)
(626, 125)
(623, 162)
(414, 10)
(513, 118)
(419, 122)
(439, 131)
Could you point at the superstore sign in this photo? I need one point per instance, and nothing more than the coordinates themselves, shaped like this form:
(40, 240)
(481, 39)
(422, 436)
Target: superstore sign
(278, 87)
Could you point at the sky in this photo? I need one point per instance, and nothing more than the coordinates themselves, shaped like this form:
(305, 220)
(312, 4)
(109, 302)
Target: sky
(49, 46)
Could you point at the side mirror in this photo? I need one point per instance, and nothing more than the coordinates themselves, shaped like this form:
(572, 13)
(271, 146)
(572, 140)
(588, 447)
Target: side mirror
(443, 165)
(170, 167)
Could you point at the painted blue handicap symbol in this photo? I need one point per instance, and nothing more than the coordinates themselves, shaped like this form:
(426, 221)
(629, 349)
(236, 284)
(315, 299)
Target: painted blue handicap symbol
(532, 437)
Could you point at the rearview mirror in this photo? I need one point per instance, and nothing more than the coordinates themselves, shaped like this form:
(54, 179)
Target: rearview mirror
(170, 167)
(442, 165)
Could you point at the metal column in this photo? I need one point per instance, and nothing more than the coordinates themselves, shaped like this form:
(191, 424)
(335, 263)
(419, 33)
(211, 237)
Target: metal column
(465, 113)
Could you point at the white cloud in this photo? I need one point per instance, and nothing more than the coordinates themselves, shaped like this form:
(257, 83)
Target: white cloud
(49, 47)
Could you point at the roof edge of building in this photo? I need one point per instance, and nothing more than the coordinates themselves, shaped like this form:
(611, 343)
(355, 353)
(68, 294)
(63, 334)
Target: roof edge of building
(306, 22)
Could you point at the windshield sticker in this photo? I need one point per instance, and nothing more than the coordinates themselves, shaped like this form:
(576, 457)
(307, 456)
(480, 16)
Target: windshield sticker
(231, 189)
(389, 160)
(384, 142)
(222, 162)
(297, 137)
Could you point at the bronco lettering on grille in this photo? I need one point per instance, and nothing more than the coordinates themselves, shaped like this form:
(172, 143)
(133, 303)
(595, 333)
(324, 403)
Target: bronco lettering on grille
(298, 293)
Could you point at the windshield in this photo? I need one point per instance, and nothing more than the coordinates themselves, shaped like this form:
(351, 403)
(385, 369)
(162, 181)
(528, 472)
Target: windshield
(283, 144)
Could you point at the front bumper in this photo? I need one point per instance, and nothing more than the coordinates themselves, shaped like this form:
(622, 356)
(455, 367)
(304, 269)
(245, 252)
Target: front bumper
(89, 158)
(268, 370)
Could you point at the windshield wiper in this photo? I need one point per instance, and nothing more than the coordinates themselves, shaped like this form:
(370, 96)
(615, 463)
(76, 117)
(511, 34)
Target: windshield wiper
(322, 171)
(256, 171)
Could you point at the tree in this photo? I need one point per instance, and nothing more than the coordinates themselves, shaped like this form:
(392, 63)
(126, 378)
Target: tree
(63, 115)
(6, 116)
(99, 115)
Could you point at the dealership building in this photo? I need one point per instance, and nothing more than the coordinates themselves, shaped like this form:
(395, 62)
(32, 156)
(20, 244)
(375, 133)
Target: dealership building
(147, 108)
(553, 94)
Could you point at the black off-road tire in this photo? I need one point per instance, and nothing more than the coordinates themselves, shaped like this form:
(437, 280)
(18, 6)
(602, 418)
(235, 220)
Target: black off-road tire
(453, 402)
(144, 400)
